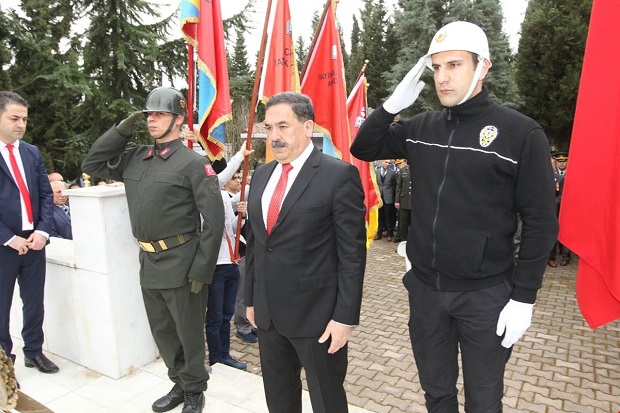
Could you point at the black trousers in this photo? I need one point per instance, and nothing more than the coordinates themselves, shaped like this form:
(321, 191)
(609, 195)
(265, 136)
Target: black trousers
(281, 360)
(442, 322)
(404, 221)
(387, 219)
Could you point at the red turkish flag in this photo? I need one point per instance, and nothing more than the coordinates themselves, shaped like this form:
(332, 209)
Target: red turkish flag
(281, 73)
(324, 82)
(590, 209)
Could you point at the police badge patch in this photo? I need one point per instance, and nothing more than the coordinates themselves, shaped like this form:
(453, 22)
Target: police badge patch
(487, 135)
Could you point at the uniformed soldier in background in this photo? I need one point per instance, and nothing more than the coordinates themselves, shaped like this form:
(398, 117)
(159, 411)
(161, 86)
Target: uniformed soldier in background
(168, 187)
(403, 199)
(560, 162)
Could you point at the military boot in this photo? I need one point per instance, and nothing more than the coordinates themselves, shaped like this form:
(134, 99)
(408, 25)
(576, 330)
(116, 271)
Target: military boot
(194, 402)
(171, 400)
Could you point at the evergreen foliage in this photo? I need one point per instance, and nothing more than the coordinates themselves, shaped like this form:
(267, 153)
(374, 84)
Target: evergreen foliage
(418, 20)
(45, 71)
(370, 40)
(548, 64)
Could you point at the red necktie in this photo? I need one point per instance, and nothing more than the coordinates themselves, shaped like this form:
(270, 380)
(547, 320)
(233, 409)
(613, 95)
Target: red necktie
(20, 183)
(276, 198)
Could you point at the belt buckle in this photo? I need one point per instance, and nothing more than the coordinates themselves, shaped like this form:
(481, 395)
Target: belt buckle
(146, 246)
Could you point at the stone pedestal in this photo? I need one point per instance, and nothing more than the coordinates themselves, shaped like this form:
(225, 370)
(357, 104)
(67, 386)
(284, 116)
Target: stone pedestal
(94, 314)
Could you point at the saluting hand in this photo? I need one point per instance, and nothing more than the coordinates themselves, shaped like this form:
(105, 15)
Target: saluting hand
(407, 90)
(339, 333)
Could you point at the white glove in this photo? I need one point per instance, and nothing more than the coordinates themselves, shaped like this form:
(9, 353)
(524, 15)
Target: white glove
(407, 90)
(515, 319)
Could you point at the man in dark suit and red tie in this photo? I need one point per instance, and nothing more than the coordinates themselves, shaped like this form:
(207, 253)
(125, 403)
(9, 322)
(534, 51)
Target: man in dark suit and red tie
(25, 224)
(305, 261)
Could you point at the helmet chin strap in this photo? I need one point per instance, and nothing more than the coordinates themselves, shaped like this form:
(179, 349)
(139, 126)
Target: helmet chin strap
(474, 81)
(174, 118)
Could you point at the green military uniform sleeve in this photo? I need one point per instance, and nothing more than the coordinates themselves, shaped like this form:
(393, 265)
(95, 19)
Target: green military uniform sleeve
(108, 147)
(209, 203)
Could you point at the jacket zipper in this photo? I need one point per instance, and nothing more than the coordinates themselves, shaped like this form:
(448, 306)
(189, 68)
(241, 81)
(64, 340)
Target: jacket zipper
(439, 191)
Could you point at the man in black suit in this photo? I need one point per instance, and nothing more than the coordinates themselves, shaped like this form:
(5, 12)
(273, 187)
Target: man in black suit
(305, 261)
(386, 181)
(25, 224)
(61, 224)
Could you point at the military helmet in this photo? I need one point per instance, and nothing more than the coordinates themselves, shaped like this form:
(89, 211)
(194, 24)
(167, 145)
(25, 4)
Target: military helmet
(166, 99)
(459, 35)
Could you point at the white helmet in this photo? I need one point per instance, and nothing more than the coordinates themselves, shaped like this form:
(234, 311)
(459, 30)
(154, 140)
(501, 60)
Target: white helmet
(459, 36)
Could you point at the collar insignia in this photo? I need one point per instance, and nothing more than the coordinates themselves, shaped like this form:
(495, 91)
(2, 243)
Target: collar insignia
(165, 152)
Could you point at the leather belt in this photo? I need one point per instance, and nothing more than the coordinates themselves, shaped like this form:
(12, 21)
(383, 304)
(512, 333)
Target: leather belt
(26, 234)
(166, 243)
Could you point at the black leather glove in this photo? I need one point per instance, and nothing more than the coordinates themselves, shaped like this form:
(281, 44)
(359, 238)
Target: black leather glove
(129, 124)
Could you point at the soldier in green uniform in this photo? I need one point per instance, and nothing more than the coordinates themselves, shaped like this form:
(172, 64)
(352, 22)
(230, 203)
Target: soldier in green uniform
(168, 188)
(403, 199)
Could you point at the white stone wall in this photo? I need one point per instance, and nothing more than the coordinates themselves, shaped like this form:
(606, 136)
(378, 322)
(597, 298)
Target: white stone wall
(94, 314)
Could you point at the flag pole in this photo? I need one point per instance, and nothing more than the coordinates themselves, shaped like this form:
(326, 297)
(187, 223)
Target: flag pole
(314, 39)
(248, 142)
(191, 64)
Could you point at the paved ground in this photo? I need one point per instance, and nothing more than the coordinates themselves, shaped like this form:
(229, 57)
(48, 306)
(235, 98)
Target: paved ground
(560, 365)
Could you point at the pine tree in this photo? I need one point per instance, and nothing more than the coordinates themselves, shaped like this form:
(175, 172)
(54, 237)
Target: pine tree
(125, 58)
(241, 87)
(372, 44)
(5, 52)
(239, 65)
(548, 63)
(46, 72)
(301, 52)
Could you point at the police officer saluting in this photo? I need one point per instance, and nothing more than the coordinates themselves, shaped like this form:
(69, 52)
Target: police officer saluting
(168, 187)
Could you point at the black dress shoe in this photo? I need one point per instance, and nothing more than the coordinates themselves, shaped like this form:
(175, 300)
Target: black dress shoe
(171, 400)
(564, 262)
(41, 362)
(194, 402)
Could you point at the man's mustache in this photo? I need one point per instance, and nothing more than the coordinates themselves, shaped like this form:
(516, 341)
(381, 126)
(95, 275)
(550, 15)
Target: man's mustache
(278, 144)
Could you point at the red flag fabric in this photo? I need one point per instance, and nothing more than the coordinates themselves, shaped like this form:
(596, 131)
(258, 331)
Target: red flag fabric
(590, 208)
(281, 73)
(324, 83)
(202, 25)
(357, 113)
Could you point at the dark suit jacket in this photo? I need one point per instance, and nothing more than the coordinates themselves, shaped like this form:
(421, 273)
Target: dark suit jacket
(387, 185)
(61, 225)
(40, 190)
(310, 269)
